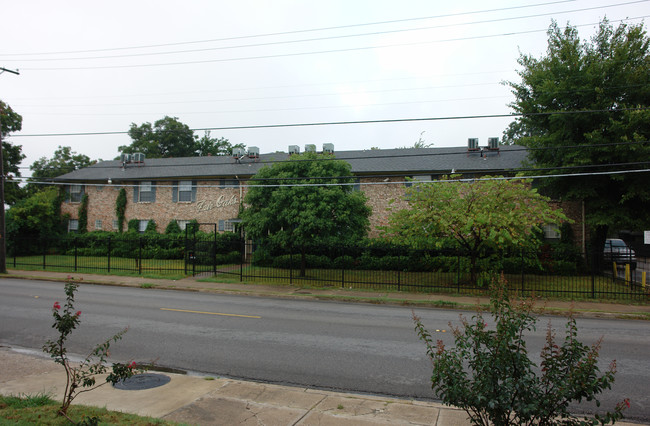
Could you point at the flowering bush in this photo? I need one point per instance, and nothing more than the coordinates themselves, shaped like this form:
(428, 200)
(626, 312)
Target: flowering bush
(81, 378)
(489, 374)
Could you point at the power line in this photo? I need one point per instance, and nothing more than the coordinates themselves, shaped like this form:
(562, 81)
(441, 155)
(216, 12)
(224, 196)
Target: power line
(302, 31)
(470, 179)
(316, 52)
(339, 123)
(375, 33)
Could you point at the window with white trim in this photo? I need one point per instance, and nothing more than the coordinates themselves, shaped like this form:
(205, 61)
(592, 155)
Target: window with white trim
(98, 224)
(551, 232)
(185, 191)
(116, 224)
(76, 193)
(73, 225)
(182, 224)
(226, 226)
(145, 192)
(142, 225)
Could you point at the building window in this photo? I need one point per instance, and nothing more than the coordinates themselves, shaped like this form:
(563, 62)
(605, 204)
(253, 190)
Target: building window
(182, 224)
(551, 232)
(185, 191)
(226, 226)
(142, 225)
(98, 224)
(116, 224)
(76, 193)
(228, 183)
(145, 192)
(73, 225)
(357, 185)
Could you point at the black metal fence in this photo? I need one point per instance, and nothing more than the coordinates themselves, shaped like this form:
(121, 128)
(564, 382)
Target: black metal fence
(379, 267)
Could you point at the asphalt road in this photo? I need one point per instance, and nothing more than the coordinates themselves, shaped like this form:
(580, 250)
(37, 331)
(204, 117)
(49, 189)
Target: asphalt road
(340, 346)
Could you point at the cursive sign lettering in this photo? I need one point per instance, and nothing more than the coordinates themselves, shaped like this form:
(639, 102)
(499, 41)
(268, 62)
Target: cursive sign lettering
(222, 201)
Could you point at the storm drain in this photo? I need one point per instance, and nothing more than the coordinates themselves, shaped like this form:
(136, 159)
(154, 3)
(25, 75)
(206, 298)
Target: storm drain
(143, 381)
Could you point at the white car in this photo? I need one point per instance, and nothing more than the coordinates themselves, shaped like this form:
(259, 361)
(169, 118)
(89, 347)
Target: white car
(617, 251)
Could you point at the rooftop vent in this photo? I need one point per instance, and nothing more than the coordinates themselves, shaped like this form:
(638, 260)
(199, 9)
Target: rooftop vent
(493, 143)
(310, 148)
(294, 149)
(472, 144)
(238, 152)
(328, 148)
(253, 152)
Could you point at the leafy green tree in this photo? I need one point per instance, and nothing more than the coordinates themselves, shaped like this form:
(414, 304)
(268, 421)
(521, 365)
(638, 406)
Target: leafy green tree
(167, 137)
(284, 206)
(64, 160)
(34, 217)
(477, 216)
(215, 146)
(12, 155)
(584, 105)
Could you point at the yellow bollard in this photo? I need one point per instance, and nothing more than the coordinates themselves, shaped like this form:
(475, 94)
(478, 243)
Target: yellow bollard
(627, 274)
(643, 279)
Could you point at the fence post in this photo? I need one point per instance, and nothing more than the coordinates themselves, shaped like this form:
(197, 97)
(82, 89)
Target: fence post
(140, 256)
(214, 251)
(291, 265)
(44, 251)
(242, 258)
(458, 272)
(399, 269)
(593, 274)
(523, 289)
(108, 265)
(75, 254)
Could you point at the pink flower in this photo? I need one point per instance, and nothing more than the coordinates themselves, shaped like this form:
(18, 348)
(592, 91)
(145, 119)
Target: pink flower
(627, 402)
(57, 306)
(78, 313)
(132, 365)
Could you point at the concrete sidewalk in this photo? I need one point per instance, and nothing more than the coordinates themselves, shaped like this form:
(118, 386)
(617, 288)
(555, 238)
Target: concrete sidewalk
(198, 400)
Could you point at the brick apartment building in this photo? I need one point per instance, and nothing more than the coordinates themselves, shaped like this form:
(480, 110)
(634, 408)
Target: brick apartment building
(210, 189)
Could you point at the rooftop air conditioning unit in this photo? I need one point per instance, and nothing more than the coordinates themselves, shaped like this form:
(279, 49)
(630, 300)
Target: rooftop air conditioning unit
(310, 148)
(138, 157)
(472, 144)
(294, 149)
(328, 148)
(125, 158)
(493, 143)
(238, 152)
(253, 152)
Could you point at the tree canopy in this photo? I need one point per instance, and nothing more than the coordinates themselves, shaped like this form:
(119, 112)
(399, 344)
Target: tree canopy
(64, 160)
(33, 217)
(476, 216)
(168, 137)
(302, 202)
(11, 121)
(585, 110)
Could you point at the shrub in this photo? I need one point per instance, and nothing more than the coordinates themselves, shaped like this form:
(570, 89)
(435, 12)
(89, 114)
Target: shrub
(172, 227)
(489, 374)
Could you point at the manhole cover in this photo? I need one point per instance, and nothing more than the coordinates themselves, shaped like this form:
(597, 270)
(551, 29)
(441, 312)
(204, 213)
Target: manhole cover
(143, 381)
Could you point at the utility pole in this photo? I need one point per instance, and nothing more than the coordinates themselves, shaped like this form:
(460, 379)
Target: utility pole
(3, 244)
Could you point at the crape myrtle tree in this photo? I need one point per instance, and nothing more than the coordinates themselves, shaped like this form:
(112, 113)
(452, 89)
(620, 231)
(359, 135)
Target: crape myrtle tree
(584, 107)
(306, 200)
(476, 216)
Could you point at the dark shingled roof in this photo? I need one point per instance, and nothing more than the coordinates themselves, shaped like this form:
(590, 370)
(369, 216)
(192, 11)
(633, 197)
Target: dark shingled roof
(410, 161)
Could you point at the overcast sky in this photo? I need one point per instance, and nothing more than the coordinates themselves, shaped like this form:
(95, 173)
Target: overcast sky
(89, 66)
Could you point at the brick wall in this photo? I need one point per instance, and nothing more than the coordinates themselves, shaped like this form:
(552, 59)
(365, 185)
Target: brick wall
(214, 204)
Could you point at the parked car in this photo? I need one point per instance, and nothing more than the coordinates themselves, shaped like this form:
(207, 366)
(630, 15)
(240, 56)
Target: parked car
(617, 251)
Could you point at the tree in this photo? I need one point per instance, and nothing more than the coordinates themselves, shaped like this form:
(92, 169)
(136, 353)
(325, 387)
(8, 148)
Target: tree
(585, 105)
(282, 206)
(477, 216)
(63, 161)
(34, 217)
(168, 137)
(12, 155)
(215, 146)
